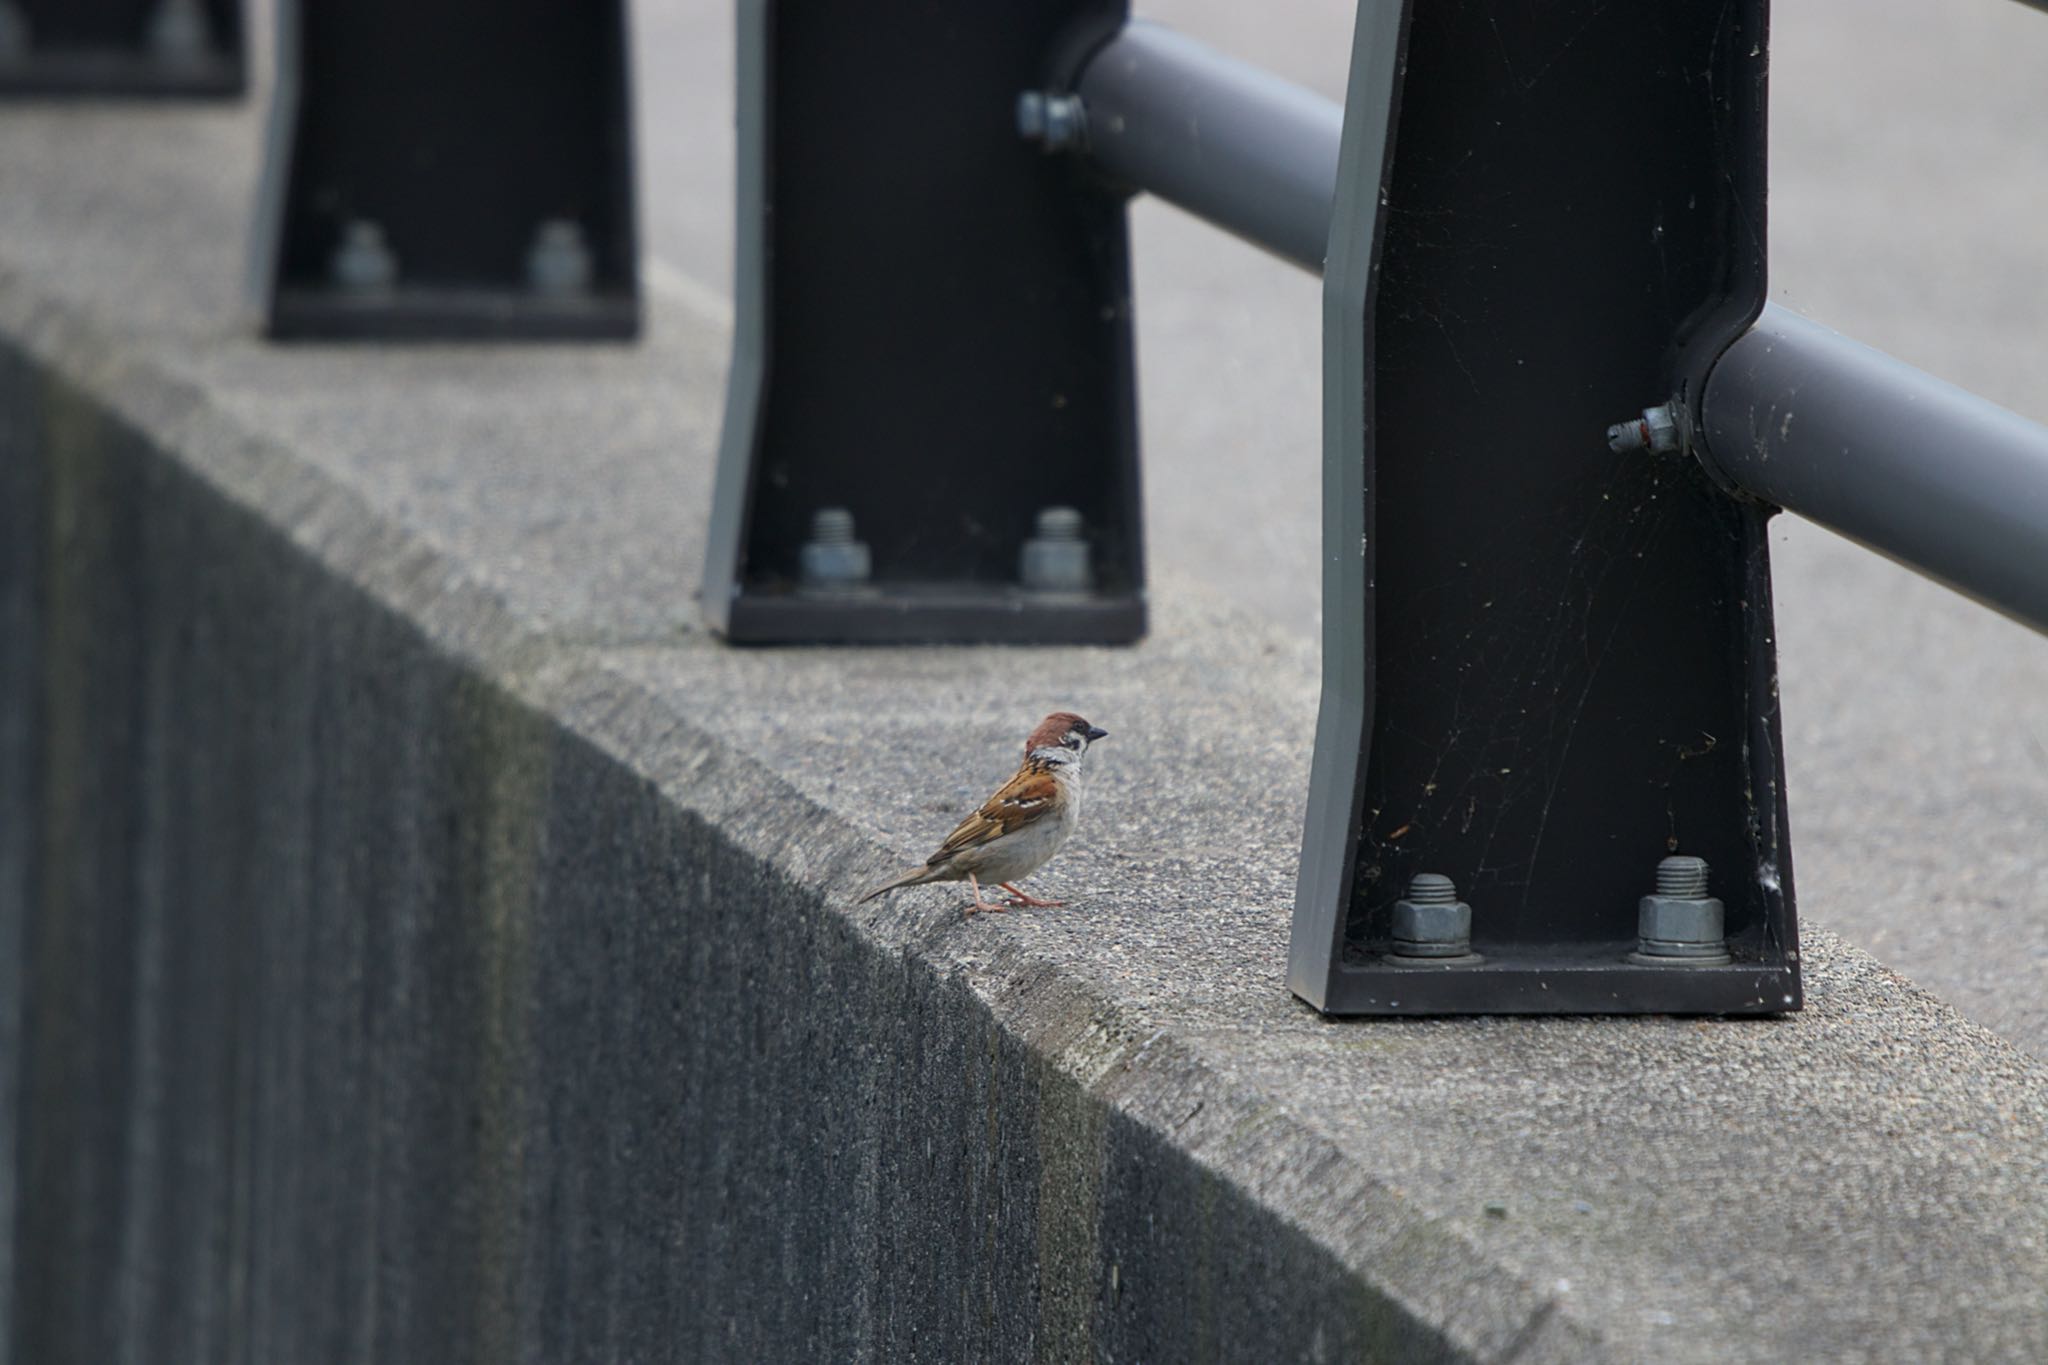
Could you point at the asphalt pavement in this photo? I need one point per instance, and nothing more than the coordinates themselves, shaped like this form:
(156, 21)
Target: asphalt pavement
(1909, 183)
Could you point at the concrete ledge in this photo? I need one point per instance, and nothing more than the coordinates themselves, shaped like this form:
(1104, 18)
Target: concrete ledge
(418, 941)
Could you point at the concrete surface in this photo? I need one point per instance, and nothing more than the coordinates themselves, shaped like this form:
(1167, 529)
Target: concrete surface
(427, 944)
(1909, 179)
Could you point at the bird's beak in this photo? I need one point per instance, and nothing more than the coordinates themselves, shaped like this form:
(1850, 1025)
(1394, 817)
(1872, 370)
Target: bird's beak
(1095, 734)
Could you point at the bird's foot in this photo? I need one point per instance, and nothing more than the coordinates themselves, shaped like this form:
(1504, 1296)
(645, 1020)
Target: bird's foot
(1023, 901)
(980, 904)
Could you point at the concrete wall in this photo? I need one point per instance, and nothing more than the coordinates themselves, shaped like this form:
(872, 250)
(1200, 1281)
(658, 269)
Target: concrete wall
(356, 1009)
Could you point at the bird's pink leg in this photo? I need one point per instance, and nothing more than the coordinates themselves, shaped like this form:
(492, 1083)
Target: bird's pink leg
(979, 903)
(1024, 900)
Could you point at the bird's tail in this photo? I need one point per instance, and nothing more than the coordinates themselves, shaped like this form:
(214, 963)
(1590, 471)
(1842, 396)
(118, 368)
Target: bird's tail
(914, 877)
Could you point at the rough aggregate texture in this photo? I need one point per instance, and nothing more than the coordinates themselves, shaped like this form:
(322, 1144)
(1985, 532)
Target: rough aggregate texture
(421, 941)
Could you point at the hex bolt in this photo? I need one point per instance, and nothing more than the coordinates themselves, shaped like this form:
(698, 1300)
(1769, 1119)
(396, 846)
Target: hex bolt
(558, 263)
(363, 263)
(1655, 431)
(179, 33)
(16, 37)
(1680, 925)
(832, 560)
(1056, 559)
(1430, 921)
(1055, 121)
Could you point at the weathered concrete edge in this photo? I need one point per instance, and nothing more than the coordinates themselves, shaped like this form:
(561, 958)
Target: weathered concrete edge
(1442, 1285)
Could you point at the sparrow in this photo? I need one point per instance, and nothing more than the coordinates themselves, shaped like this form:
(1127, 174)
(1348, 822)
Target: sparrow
(1017, 830)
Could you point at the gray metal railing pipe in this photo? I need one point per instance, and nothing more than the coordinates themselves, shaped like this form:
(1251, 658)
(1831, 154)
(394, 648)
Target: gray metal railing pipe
(1919, 470)
(1220, 138)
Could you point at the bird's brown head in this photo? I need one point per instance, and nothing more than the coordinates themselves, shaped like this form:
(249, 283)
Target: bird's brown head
(1063, 731)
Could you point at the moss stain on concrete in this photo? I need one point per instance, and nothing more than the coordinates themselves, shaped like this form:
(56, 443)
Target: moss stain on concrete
(501, 766)
(76, 549)
(55, 1206)
(1072, 1282)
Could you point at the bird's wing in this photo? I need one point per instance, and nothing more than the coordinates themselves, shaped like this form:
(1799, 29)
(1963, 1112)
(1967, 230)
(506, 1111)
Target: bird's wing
(1031, 795)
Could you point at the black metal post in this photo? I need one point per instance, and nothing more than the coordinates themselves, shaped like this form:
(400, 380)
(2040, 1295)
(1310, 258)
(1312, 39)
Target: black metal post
(98, 48)
(1547, 667)
(1917, 469)
(931, 425)
(1218, 137)
(449, 170)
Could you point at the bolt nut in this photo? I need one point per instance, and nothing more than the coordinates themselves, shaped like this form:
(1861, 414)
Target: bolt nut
(1056, 121)
(16, 37)
(558, 263)
(179, 33)
(832, 560)
(1655, 431)
(363, 263)
(1680, 924)
(1056, 559)
(1430, 921)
